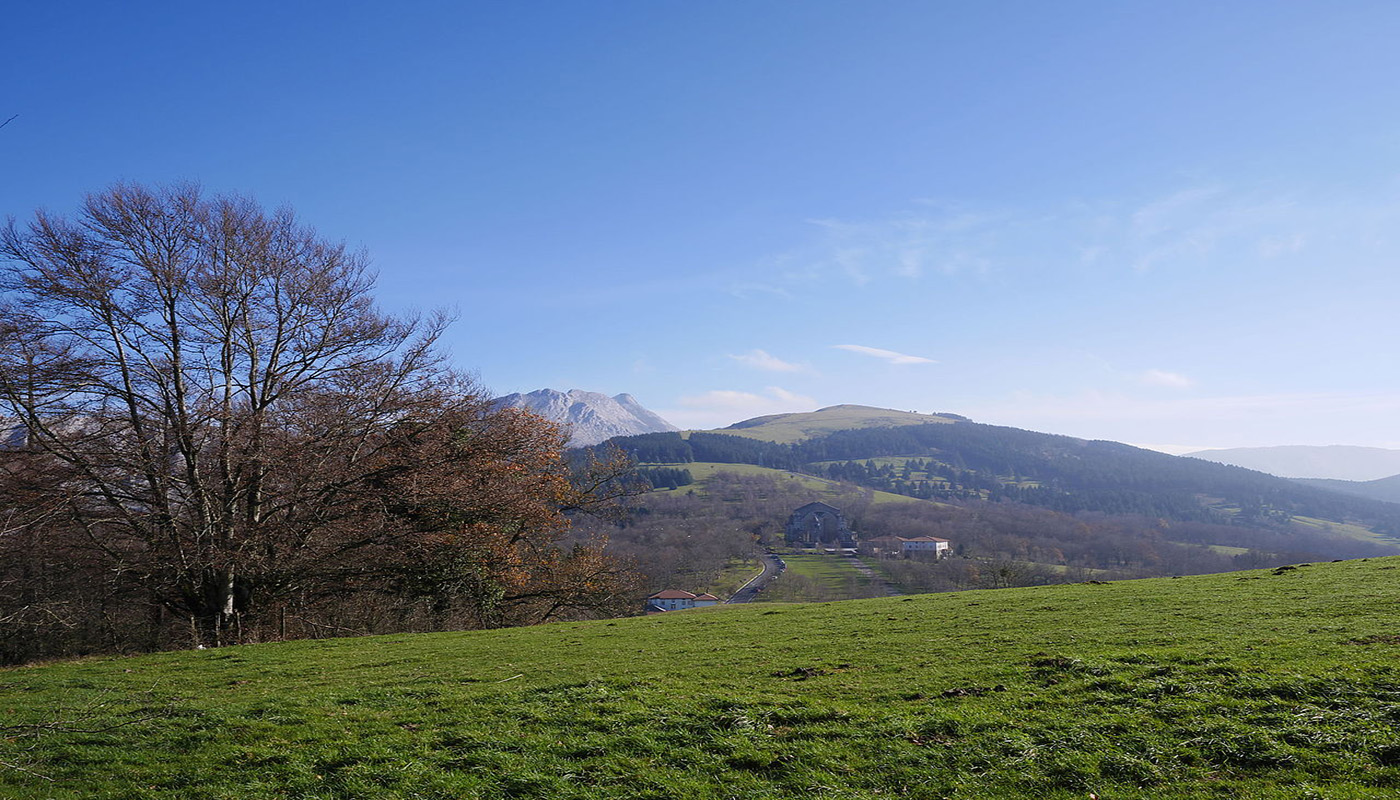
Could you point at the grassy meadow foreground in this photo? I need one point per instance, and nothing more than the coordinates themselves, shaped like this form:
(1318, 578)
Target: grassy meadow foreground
(1245, 685)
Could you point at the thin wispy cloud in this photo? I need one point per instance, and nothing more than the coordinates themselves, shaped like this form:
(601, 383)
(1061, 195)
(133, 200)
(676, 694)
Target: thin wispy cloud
(885, 355)
(854, 263)
(1167, 380)
(1164, 216)
(751, 291)
(763, 360)
(1208, 226)
(1282, 245)
(929, 241)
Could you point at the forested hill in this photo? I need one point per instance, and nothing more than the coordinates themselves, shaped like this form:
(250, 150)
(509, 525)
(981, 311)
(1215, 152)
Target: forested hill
(965, 460)
(1384, 489)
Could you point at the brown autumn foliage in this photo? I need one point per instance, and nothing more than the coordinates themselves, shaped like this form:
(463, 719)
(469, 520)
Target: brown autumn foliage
(213, 436)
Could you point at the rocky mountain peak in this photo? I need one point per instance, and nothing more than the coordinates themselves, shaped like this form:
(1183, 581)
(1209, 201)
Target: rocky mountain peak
(590, 417)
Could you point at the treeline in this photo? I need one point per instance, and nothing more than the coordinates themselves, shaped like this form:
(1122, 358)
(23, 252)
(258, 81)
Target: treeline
(720, 448)
(665, 477)
(1129, 545)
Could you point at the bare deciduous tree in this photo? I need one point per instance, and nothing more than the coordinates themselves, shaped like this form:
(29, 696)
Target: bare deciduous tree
(212, 408)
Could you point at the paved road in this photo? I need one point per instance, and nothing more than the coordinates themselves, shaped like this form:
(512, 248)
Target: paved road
(749, 591)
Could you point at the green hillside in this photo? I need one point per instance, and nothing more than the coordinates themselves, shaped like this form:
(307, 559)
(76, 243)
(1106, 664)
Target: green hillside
(790, 428)
(702, 471)
(1266, 684)
(950, 459)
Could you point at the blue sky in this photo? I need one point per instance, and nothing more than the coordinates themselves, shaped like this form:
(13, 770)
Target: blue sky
(1172, 224)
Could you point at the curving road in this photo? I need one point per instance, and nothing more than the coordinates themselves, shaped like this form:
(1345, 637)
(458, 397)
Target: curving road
(750, 590)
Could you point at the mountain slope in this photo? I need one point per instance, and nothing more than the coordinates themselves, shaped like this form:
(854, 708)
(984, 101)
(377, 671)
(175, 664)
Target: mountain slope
(958, 460)
(589, 416)
(1387, 489)
(1267, 684)
(1336, 462)
(648, 418)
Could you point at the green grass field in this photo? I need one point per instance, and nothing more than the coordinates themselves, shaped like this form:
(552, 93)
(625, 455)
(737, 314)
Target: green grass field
(816, 578)
(735, 574)
(1267, 684)
(1222, 549)
(1346, 529)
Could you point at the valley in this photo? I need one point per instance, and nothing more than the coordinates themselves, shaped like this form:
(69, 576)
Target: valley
(1020, 508)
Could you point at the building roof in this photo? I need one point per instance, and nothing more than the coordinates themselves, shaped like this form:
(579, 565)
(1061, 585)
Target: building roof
(705, 596)
(672, 594)
(926, 539)
(816, 506)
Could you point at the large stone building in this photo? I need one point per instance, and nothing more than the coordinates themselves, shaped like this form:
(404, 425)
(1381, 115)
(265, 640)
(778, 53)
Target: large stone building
(819, 525)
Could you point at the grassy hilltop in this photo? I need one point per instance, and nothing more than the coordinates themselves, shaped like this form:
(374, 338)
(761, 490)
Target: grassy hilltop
(1244, 685)
(789, 428)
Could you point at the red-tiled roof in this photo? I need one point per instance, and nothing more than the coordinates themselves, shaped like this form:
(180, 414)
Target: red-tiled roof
(705, 596)
(926, 539)
(672, 594)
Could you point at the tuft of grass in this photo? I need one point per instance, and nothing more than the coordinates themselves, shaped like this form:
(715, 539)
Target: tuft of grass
(1272, 684)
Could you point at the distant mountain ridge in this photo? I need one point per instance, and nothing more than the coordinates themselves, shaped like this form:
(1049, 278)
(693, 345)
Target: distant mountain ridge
(590, 417)
(1387, 489)
(1334, 462)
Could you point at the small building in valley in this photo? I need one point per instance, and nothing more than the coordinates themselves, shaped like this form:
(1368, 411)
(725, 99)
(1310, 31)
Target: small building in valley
(890, 546)
(925, 544)
(678, 600)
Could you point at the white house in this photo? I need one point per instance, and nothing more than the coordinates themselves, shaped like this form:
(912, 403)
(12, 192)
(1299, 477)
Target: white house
(924, 544)
(678, 600)
(898, 545)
